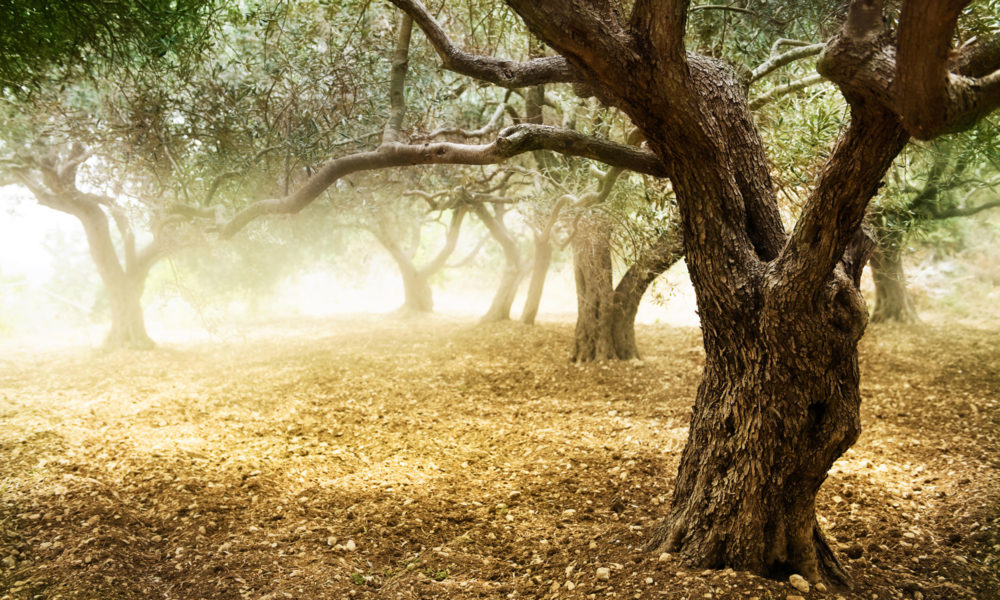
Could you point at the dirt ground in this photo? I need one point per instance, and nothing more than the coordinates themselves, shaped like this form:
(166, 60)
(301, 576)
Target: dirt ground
(355, 458)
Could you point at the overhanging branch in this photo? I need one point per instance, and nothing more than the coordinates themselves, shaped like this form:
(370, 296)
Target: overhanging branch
(510, 142)
(505, 73)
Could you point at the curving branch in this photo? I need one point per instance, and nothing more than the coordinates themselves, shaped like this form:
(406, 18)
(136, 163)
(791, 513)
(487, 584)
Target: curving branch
(934, 98)
(505, 73)
(964, 211)
(781, 91)
(776, 61)
(510, 142)
(833, 213)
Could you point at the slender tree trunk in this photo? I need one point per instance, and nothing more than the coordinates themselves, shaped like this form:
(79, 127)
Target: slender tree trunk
(417, 293)
(504, 298)
(539, 271)
(667, 250)
(892, 300)
(418, 296)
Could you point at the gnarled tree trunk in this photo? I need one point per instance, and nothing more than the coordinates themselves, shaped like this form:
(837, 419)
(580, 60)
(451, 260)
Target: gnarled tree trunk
(662, 255)
(417, 293)
(892, 300)
(124, 285)
(124, 278)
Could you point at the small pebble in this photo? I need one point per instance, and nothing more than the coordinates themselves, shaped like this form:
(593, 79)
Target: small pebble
(603, 573)
(350, 546)
(665, 557)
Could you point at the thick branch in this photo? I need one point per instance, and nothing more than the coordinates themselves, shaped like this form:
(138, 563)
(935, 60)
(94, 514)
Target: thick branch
(658, 28)
(397, 82)
(510, 142)
(505, 73)
(833, 214)
(913, 77)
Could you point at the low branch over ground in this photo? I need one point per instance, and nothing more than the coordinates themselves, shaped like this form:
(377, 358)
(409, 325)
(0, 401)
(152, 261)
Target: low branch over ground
(510, 142)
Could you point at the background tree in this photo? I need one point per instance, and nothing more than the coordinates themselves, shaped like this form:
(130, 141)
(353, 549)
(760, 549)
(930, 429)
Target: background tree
(950, 178)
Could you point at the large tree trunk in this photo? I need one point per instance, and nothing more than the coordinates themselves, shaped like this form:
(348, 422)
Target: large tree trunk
(503, 300)
(771, 416)
(892, 300)
(539, 272)
(605, 322)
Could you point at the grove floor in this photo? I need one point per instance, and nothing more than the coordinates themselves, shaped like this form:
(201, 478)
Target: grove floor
(433, 458)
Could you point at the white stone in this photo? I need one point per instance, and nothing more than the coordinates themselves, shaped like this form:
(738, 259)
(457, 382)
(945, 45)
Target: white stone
(603, 573)
(350, 546)
(798, 582)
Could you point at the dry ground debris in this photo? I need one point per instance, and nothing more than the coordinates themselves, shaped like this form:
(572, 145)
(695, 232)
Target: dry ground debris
(355, 458)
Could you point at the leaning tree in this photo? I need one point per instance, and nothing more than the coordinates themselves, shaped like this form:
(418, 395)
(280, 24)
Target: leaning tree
(781, 311)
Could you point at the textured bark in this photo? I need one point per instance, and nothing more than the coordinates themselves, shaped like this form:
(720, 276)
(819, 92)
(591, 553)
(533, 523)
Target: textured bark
(892, 300)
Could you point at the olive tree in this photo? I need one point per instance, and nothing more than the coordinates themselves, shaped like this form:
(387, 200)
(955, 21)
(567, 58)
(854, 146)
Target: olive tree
(781, 310)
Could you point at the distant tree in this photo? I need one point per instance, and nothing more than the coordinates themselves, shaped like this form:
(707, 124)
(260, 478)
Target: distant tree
(951, 178)
(53, 180)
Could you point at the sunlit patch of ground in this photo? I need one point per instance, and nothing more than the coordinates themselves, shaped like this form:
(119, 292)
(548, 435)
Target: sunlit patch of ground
(400, 458)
